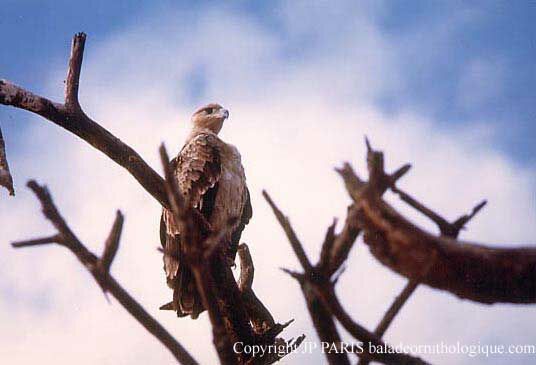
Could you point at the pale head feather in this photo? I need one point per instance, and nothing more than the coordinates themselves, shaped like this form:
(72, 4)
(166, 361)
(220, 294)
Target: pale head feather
(210, 117)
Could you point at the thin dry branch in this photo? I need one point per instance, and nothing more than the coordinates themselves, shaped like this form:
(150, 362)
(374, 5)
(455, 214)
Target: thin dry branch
(92, 263)
(72, 118)
(446, 228)
(321, 317)
(72, 82)
(343, 242)
(6, 180)
(260, 317)
(37, 241)
(112, 242)
(395, 307)
(291, 235)
(324, 306)
(323, 322)
(329, 298)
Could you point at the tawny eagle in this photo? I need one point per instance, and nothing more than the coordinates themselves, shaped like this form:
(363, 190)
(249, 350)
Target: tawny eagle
(211, 177)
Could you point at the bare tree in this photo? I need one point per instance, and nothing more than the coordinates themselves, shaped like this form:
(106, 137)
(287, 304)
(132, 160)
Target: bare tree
(470, 271)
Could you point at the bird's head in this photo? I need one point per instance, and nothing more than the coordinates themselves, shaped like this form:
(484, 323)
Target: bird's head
(210, 117)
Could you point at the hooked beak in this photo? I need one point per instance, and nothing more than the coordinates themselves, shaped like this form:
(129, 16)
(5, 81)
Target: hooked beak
(224, 113)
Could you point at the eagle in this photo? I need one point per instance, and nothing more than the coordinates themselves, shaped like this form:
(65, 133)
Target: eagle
(210, 175)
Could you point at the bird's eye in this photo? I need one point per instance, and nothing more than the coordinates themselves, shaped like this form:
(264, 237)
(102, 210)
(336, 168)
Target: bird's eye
(209, 110)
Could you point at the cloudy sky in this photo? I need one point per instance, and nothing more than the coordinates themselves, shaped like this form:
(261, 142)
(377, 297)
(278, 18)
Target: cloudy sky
(447, 86)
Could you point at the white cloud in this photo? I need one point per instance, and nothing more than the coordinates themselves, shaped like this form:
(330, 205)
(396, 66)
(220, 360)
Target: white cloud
(294, 119)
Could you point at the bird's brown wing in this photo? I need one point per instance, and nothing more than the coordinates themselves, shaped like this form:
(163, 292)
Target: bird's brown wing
(197, 169)
(247, 213)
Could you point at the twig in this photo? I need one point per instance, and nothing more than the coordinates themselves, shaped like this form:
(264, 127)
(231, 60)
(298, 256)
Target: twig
(112, 242)
(360, 333)
(344, 241)
(38, 241)
(323, 304)
(326, 251)
(291, 235)
(71, 117)
(395, 307)
(67, 238)
(324, 323)
(73, 75)
(6, 180)
(261, 319)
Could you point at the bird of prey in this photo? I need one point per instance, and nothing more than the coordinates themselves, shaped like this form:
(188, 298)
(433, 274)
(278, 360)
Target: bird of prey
(211, 177)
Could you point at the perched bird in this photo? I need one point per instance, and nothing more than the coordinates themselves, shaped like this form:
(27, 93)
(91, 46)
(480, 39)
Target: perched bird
(211, 177)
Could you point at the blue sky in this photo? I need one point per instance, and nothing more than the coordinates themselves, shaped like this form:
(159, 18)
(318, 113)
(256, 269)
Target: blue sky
(432, 68)
(447, 86)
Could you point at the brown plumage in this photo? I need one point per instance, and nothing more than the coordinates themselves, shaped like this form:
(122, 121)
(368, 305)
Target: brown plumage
(210, 175)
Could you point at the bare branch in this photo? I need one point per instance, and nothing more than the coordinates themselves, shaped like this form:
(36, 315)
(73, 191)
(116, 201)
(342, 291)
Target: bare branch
(289, 231)
(38, 241)
(450, 230)
(360, 333)
(395, 307)
(67, 238)
(260, 317)
(6, 180)
(73, 75)
(247, 270)
(275, 356)
(112, 242)
(323, 322)
(344, 241)
(321, 317)
(71, 117)
(378, 179)
(323, 304)
(441, 222)
(327, 247)
(354, 185)
(471, 271)
(460, 223)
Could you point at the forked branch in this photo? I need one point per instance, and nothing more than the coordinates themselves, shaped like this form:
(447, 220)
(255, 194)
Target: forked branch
(6, 180)
(98, 267)
(71, 117)
(324, 306)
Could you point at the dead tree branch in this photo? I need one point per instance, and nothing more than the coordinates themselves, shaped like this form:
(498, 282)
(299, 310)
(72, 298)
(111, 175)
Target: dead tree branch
(98, 267)
(71, 117)
(448, 230)
(468, 270)
(322, 303)
(395, 308)
(260, 317)
(5, 175)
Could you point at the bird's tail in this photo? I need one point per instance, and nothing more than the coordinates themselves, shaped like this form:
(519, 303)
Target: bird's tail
(186, 297)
